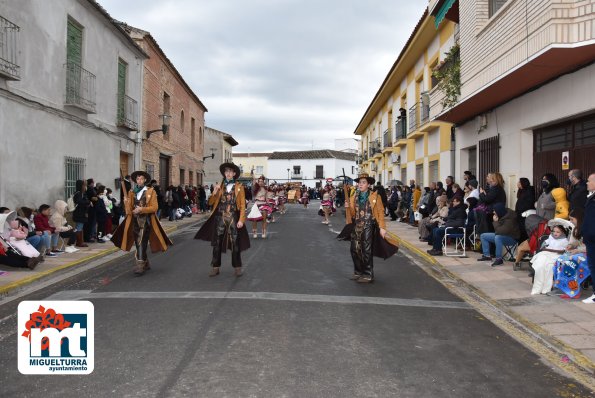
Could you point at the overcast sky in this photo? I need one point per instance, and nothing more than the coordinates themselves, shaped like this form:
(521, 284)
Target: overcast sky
(279, 74)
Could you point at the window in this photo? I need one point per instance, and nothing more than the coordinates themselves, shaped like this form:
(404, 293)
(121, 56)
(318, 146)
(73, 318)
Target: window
(297, 170)
(192, 135)
(150, 168)
(200, 136)
(259, 170)
(166, 109)
(319, 172)
(495, 5)
(9, 36)
(182, 122)
(419, 175)
(74, 170)
(80, 83)
(198, 178)
(489, 158)
(126, 106)
(182, 172)
(433, 168)
(190, 178)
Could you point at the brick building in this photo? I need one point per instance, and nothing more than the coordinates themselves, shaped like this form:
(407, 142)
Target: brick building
(176, 157)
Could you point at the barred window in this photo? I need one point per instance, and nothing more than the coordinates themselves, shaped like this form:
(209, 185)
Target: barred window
(74, 169)
(150, 168)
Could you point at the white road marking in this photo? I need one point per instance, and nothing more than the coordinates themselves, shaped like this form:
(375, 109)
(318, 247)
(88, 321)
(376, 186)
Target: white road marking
(88, 294)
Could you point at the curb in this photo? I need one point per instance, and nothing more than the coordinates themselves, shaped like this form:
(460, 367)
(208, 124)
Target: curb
(578, 365)
(9, 288)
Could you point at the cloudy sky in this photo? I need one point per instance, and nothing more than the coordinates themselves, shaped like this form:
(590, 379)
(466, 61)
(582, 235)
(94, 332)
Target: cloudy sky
(279, 74)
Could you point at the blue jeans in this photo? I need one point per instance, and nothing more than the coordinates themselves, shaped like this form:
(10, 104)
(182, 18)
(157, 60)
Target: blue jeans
(50, 240)
(499, 240)
(411, 215)
(36, 241)
(79, 226)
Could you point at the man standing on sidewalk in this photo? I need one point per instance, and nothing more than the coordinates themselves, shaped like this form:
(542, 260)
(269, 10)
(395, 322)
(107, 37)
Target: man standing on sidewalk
(588, 231)
(141, 225)
(225, 227)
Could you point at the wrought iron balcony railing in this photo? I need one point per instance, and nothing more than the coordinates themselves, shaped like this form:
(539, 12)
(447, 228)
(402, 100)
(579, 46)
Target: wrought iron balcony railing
(9, 34)
(401, 128)
(413, 119)
(80, 87)
(127, 112)
(387, 139)
(425, 107)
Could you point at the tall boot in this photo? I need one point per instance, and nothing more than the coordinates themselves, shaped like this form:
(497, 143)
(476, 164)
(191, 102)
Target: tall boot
(79, 239)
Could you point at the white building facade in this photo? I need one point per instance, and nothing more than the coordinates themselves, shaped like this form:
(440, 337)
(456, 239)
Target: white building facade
(70, 92)
(311, 168)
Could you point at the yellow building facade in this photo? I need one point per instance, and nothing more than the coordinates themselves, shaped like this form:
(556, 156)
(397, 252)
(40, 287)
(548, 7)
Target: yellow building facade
(399, 141)
(252, 164)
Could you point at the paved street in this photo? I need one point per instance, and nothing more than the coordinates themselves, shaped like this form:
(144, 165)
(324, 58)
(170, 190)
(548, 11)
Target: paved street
(294, 325)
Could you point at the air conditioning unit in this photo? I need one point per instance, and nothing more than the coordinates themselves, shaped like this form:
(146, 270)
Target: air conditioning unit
(395, 158)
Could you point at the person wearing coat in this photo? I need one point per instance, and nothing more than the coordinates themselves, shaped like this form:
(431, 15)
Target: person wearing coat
(507, 233)
(79, 215)
(525, 201)
(366, 230)
(577, 195)
(59, 223)
(225, 228)
(588, 231)
(141, 226)
(456, 218)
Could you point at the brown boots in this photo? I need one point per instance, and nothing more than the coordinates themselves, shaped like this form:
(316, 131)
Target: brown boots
(141, 267)
(237, 271)
(80, 242)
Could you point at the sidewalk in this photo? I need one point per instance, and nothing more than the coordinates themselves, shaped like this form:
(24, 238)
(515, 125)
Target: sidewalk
(568, 325)
(15, 278)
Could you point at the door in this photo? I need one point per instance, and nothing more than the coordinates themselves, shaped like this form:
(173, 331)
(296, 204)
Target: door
(124, 157)
(164, 171)
(122, 71)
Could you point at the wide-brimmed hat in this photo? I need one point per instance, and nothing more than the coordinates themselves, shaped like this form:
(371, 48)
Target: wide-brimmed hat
(140, 173)
(371, 180)
(229, 165)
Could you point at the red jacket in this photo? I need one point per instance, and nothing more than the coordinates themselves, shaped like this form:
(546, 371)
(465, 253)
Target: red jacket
(42, 223)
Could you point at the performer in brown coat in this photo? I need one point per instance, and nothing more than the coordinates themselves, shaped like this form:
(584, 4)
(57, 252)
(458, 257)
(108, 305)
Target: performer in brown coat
(225, 227)
(366, 230)
(141, 225)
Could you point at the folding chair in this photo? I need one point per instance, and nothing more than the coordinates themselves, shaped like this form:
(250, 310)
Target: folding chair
(458, 236)
(509, 252)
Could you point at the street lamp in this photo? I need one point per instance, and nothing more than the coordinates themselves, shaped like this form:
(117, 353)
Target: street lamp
(164, 126)
(212, 156)
(288, 175)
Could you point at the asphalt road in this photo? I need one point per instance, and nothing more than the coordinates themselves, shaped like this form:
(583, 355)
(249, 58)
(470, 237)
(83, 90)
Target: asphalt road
(293, 326)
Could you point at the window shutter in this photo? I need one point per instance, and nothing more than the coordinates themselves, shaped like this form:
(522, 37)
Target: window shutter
(74, 44)
(122, 70)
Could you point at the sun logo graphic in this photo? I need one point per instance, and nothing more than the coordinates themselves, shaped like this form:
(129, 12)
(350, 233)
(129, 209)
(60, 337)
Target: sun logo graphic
(56, 337)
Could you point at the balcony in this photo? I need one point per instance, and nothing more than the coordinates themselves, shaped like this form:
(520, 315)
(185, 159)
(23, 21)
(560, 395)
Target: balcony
(80, 87)
(127, 112)
(401, 129)
(413, 118)
(387, 139)
(9, 34)
(296, 176)
(424, 104)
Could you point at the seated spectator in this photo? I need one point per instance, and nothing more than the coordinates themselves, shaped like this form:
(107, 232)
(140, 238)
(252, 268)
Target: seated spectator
(4, 210)
(473, 192)
(543, 262)
(429, 223)
(507, 232)
(42, 223)
(60, 225)
(10, 254)
(25, 219)
(571, 268)
(456, 218)
(457, 192)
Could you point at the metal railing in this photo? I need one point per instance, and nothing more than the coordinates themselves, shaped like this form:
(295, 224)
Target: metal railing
(424, 104)
(387, 138)
(9, 49)
(74, 169)
(296, 176)
(401, 129)
(80, 87)
(127, 112)
(413, 120)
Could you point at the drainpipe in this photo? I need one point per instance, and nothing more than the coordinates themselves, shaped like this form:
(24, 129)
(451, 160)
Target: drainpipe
(452, 150)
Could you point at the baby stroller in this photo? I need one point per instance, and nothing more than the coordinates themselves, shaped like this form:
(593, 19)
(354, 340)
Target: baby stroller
(537, 240)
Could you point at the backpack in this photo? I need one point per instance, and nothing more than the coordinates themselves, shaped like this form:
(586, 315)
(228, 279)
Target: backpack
(70, 205)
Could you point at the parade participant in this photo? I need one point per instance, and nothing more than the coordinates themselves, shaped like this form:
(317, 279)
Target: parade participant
(225, 227)
(272, 201)
(261, 209)
(282, 199)
(366, 230)
(326, 205)
(304, 197)
(141, 225)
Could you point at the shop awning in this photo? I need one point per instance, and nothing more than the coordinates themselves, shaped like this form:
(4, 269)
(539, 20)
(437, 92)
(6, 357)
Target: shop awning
(442, 11)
